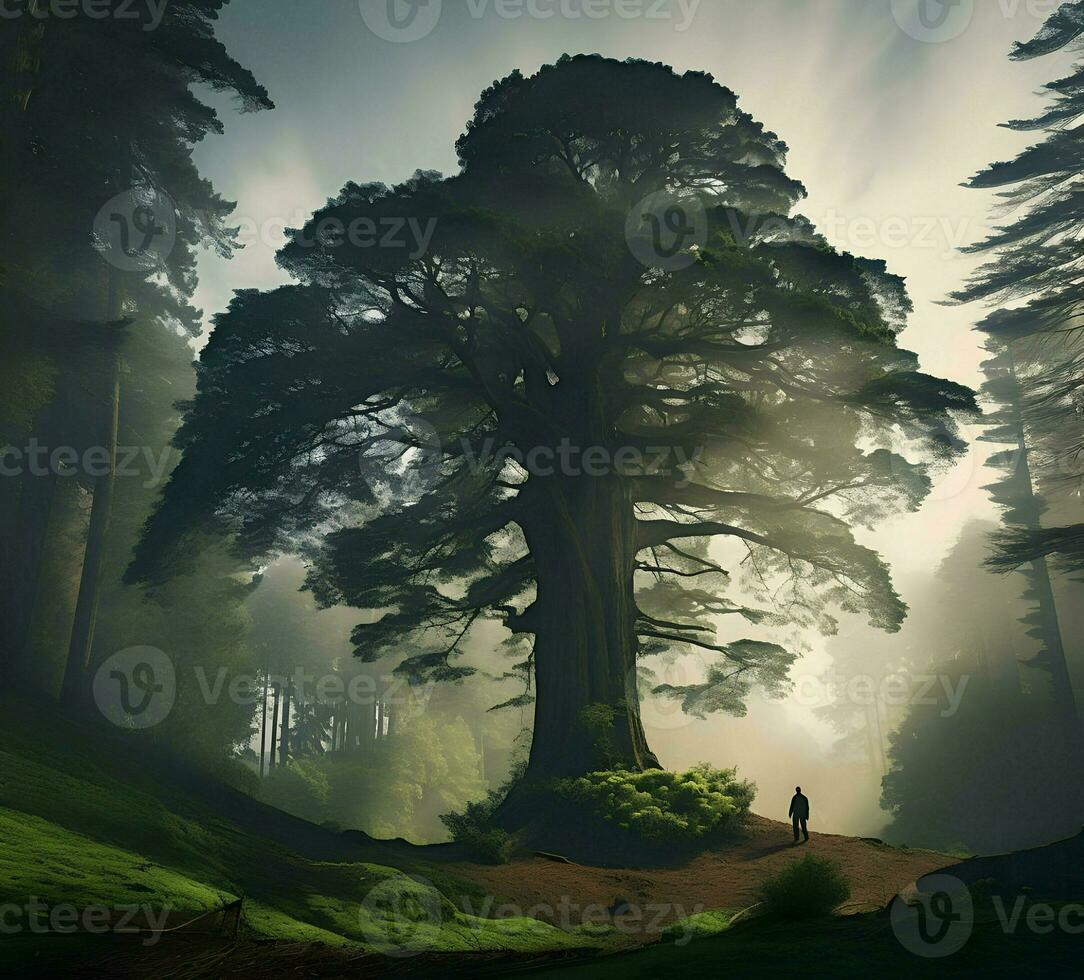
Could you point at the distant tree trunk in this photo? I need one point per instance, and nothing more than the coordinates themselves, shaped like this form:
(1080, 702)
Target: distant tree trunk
(81, 644)
(1049, 628)
(263, 728)
(274, 724)
(90, 585)
(36, 496)
(367, 715)
(581, 533)
(284, 736)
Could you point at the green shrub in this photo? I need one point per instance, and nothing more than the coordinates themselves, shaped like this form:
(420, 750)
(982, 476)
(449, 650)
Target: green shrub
(473, 825)
(805, 889)
(698, 926)
(661, 804)
(300, 787)
(493, 846)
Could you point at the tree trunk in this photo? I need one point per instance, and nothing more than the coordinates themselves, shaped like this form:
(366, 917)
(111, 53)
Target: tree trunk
(24, 572)
(284, 736)
(90, 585)
(1053, 656)
(581, 534)
(263, 728)
(274, 727)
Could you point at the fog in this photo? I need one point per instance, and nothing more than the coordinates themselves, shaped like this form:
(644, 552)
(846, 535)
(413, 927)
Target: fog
(882, 127)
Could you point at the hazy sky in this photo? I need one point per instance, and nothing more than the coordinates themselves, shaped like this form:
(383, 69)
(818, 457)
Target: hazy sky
(884, 118)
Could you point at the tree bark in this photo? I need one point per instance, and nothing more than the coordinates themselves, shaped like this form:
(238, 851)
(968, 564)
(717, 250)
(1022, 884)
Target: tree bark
(90, 585)
(263, 728)
(284, 736)
(581, 534)
(274, 728)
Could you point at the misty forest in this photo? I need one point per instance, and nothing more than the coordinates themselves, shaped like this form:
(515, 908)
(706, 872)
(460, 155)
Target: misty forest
(585, 488)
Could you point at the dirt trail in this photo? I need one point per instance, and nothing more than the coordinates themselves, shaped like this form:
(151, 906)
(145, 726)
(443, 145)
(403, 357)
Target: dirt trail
(723, 879)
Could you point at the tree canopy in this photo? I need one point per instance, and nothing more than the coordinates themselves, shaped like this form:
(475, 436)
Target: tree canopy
(533, 389)
(1034, 333)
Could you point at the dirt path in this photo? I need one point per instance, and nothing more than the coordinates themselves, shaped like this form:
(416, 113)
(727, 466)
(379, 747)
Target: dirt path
(723, 879)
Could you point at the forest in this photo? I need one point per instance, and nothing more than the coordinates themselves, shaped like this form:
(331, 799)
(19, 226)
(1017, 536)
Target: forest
(585, 488)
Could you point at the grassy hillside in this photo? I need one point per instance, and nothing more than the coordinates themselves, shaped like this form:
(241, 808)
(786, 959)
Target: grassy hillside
(88, 820)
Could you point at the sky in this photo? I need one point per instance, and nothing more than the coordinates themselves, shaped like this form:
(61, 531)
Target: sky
(887, 106)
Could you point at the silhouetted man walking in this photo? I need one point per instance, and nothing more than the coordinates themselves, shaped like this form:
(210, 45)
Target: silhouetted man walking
(799, 813)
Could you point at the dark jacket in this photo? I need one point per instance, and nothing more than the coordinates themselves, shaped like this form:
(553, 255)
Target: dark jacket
(799, 806)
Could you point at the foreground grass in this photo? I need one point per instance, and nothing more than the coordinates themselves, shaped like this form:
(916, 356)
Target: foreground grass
(856, 946)
(84, 827)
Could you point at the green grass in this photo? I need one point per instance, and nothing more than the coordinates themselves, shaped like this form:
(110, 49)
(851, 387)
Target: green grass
(90, 824)
(856, 946)
(697, 926)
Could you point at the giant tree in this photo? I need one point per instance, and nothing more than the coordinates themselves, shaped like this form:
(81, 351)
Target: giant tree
(531, 390)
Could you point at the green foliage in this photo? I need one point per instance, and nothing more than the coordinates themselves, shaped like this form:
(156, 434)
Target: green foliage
(806, 889)
(300, 787)
(598, 724)
(473, 824)
(697, 926)
(493, 846)
(395, 787)
(660, 804)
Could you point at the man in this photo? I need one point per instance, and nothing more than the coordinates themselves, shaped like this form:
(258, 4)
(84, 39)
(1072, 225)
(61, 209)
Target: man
(799, 813)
